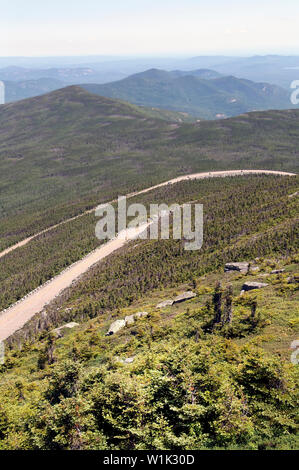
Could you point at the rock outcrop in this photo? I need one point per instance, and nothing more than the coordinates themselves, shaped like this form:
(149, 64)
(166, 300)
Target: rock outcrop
(247, 286)
(278, 271)
(128, 360)
(165, 303)
(115, 327)
(241, 267)
(60, 331)
(129, 320)
(183, 297)
(180, 298)
(140, 314)
(294, 194)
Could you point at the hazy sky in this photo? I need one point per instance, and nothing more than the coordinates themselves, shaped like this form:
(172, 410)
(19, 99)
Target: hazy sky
(152, 27)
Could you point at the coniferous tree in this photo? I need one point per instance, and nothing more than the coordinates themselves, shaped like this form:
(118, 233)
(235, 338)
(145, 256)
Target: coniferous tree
(228, 314)
(217, 302)
(253, 307)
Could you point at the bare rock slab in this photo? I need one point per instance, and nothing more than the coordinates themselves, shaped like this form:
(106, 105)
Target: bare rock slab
(140, 314)
(128, 320)
(115, 327)
(128, 360)
(165, 303)
(240, 267)
(60, 331)
(180, 298)
(183, 297)
(247, 286)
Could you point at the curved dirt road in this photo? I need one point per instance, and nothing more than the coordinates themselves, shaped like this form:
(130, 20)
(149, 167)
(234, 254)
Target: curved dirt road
(17, 315)
(213, 174)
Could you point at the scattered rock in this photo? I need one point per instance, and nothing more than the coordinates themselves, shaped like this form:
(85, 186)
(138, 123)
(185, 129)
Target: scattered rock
(295, 344)
(128, 360)
(59, 331)
(183, 297)
(129, 320)
(180, 298)
(115, 327)
(277, 271)
(247, 286)
(165, 303)
(140, 314)
(241, 267)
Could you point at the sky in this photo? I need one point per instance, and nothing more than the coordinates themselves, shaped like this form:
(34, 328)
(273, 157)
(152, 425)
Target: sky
(148, 27)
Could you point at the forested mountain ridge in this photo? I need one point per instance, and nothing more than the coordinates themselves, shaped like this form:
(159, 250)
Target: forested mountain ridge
(69, 150)
(201, 93)
(212, 373)
(254, 215)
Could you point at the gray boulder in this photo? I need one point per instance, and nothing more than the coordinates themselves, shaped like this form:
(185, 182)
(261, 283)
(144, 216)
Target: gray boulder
(130, 319)
(241, 267)
(247, 286)
(140, 314)
(60, 331)
(278, 271)
(180, 298)
(183, 297)
(128, 360)
(165, 303)
(115, 327)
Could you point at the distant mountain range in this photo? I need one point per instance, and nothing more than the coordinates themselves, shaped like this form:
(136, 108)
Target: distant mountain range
(281, 70)
(16, 91)
(202, 93)
(69, 75)
(21, 83)
(277, 69)
(66, 75)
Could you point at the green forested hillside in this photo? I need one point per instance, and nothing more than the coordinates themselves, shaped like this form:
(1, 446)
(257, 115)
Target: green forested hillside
(188, 387)
(182, 377)
(69, 150)
(200, 94)
(244, 216)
